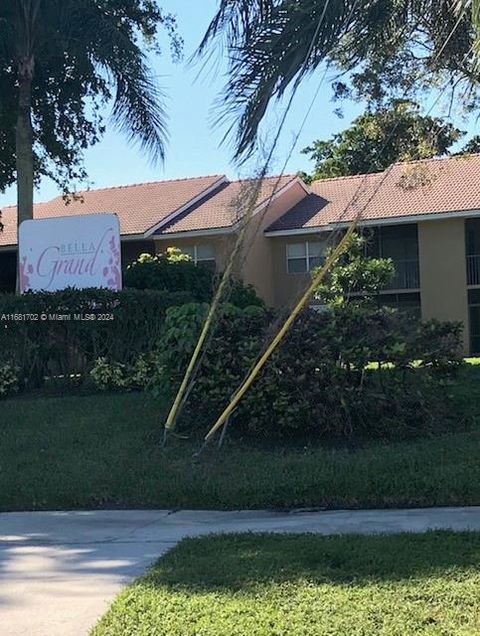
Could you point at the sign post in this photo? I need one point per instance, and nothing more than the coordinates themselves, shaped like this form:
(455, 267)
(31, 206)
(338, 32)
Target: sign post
(70, 251)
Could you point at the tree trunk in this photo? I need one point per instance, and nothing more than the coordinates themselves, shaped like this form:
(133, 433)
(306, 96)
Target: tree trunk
(24, 147)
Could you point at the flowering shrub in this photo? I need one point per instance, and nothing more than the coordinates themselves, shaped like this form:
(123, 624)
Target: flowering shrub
(107, 375)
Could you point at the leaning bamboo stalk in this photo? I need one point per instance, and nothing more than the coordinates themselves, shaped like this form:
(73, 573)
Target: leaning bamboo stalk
(207, 325)
(316, 280)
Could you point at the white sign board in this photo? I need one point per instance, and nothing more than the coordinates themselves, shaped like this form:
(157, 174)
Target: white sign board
(70, 251)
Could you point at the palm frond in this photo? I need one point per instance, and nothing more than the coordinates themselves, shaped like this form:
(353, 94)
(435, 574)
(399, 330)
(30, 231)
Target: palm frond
(234, 20)
(476, 20)
(138, 101)
(470, 10)
(138, 110)
(271, 45)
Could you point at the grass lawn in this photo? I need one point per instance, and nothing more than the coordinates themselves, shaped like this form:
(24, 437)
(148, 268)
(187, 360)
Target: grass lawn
(306, 585)
(102, 451)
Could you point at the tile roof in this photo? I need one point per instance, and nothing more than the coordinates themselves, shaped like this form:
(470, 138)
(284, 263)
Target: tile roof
(225, 206)
(433, 186)
(139, 207)
(406, 189)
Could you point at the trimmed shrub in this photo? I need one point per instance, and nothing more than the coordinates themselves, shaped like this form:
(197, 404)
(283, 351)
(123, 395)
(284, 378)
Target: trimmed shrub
(175, 272)
(170, 273)
(321, 381)
(47, 335)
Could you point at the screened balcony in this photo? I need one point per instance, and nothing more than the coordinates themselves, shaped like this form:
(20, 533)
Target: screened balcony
(400, 243)
(472, 247)
(407, 275)
(473, 269)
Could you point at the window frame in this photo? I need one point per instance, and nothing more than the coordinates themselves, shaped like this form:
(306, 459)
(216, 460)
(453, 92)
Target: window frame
(305, 258)
(196, 260)
(376, 248)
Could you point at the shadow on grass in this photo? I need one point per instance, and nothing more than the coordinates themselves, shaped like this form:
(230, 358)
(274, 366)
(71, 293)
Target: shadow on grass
(238, 562)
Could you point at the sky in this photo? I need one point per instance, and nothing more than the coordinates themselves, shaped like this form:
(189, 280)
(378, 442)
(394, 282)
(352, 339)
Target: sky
(195, 147)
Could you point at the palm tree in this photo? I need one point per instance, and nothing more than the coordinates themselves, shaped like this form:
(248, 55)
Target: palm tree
(272, 45)
(60, 62)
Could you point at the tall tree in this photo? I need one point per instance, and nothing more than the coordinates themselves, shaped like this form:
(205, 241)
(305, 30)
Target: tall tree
(61, 62)
(378, 138)
(385, 48)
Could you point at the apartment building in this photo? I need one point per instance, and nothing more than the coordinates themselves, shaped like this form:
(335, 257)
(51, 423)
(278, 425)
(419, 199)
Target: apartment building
(424, 215)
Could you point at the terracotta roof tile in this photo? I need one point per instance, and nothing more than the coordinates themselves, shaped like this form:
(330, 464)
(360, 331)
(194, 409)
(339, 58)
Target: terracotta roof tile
(406, 189)
(225, 206)
(139, 207)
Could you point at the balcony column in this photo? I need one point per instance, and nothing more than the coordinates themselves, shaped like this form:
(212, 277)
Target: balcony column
(443, 283)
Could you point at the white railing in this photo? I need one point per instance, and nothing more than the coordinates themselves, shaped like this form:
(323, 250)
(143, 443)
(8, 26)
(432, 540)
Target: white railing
(407, 275)
(473, 269)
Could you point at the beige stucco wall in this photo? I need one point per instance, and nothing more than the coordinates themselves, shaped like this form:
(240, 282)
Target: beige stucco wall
(259, 266)
(288, 287)
(256, 264)
(443, 284)
(220, 242)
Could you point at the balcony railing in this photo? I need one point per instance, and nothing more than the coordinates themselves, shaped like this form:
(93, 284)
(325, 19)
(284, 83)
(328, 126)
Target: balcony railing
(407, 275)
(473, 269)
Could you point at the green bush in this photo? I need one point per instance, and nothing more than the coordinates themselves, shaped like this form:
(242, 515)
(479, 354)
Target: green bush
(107, 375)
(439, 343)
(9, 379)
(47, 335)
(114, 376)
(242, 296)
(170, 273)
(175, 272)
(320, 382)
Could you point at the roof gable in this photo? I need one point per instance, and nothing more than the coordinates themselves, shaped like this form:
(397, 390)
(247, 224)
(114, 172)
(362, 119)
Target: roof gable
(140, 208)
(407, 189)
(224, 207)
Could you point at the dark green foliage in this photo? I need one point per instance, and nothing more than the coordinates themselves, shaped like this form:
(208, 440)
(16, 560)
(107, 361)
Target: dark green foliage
(438, 341)
(375, 140)
(235, 341)
(320, 382)
(69, 330)
(84, 56)
(385, 49)
(175, 272)
(243, 296)
(161, 273)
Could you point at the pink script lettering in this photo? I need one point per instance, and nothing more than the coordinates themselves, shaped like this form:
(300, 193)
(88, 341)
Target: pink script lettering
(52, 263)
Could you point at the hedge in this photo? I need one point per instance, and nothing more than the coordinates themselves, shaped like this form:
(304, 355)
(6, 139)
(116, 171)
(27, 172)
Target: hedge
(56, 334)
(348, 372)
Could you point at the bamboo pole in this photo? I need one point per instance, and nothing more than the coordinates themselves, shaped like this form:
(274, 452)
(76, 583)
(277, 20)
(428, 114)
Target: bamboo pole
(173, 413)
(316, 280)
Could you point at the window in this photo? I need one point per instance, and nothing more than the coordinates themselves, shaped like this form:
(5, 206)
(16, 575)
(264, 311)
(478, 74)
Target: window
(474, 311)
(472, 245)
(303, 257)
(400, 243)
(203, 254)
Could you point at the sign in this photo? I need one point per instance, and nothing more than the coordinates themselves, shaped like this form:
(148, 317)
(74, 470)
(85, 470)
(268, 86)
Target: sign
(70, 251)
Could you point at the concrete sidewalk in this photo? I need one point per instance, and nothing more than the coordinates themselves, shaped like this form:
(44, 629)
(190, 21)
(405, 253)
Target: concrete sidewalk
(60, 570)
